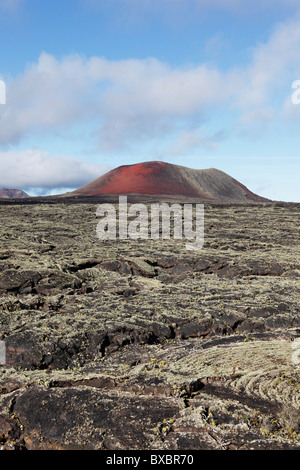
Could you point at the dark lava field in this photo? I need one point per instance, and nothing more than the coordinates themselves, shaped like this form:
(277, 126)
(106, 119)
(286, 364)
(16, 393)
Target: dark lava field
(143, 344)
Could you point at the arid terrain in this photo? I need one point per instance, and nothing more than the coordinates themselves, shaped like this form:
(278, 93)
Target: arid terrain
(143, 345)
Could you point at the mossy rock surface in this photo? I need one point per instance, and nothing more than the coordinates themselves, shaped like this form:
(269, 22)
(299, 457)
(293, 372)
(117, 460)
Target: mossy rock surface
(142, 344)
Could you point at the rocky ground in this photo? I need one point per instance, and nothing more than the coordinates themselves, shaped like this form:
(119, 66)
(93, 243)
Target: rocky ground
(141, 344)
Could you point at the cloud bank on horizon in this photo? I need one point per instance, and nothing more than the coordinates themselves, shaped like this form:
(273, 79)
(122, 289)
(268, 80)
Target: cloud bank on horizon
(72, 113)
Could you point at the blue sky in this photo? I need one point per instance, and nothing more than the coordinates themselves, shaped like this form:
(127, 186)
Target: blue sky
(94, 84)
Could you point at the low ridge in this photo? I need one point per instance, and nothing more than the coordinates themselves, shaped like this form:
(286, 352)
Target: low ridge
(12, 193)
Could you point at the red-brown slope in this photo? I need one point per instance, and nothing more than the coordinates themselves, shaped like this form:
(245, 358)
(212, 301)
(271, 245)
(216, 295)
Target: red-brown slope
(160, 178)
(142, 178)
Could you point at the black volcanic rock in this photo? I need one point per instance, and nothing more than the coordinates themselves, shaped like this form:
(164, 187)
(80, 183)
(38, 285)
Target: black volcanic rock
(142, 345)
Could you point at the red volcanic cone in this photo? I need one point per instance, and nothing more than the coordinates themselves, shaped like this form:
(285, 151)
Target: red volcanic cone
(142, 178)
(160, 178)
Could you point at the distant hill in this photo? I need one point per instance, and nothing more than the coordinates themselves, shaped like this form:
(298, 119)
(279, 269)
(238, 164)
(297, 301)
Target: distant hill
(160, 178)
(12, 193)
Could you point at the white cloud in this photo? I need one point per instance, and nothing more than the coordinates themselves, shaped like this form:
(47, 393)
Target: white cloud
(139, 101)
(51, 95)
(190, 139)
(35, 168)
(120, 98)
(255, 123)
(274, 63)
